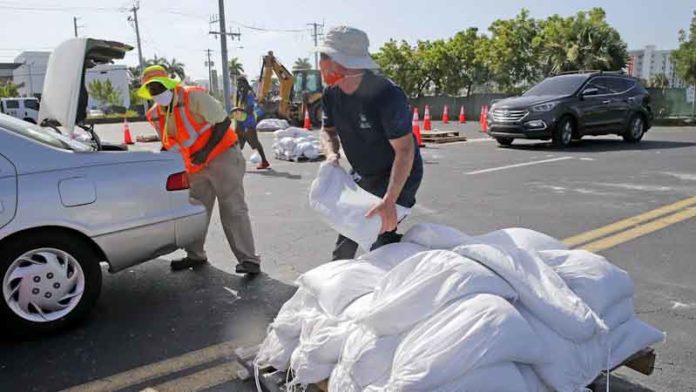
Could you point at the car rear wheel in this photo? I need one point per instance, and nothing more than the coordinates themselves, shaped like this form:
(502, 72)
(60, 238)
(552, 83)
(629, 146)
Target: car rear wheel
(635, 131)
(504, 141)
(49, 281)
(563, 135)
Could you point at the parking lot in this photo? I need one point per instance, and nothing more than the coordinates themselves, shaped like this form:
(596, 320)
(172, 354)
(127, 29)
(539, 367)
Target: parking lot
(148, 318)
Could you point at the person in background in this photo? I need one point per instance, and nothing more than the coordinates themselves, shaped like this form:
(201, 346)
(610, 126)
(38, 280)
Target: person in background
(369, 116)
(190, 121)
(245, 118)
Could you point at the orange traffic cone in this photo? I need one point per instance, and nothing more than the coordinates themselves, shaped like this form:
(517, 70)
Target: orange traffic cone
(462, 117)
(307, 121)
(427, 124)
(445, 115)
(484, 125)
(127, 138)
(416, 127)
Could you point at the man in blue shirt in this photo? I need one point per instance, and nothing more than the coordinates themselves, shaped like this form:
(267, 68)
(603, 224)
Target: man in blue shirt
(245, 116)
(368, 115)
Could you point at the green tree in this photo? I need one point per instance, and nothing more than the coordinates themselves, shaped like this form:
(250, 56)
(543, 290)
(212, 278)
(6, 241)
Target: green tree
(399, 62)
(464, 69)
(510, 54)
(302, 63)
(8, 90)
(235, 67)
(584, 41)
(658, 81)
(684, 57)
(104, 92)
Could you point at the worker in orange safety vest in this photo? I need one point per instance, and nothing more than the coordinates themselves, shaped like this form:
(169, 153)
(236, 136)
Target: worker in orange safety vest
(192, 122)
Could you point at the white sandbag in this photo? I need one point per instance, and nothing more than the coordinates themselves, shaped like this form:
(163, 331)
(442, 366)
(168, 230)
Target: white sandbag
(540, 289)
(287, 144)
(503, 377)
(312, 152)
(255, 158)
(470, 333)
(308, 372)
(343, 205)
(301, 306)
(291, 132)
(422, 285)
(357, 307)
(619, 313)
(390, 255)
(275, 351)
(532, 380)
(435, 236)
(592, 277)
(365, 359)
(340, 380)
(631, 337)
(322, 341)
(518, 237)
(335, 285)
(570, 366)
(271, 124)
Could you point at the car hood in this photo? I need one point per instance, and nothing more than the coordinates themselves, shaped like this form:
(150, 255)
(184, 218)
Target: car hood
(525, 101)
(64, 96)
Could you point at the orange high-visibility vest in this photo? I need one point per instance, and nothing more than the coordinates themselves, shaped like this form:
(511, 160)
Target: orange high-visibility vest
(191, 136)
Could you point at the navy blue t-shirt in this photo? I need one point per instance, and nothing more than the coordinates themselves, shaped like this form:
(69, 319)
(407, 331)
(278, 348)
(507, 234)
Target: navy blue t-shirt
(366, 120)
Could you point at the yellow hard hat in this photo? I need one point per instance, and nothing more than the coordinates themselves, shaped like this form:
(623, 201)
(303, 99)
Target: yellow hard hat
(155, 73)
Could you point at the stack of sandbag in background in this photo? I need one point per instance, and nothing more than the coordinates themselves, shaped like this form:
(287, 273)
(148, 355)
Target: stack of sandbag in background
(510, 311)
(272, 125)
(294, 143)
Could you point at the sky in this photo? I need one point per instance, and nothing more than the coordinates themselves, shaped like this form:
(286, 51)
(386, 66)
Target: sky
(180, 28)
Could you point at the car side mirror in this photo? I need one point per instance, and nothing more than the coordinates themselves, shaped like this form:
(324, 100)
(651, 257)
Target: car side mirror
(589, 92)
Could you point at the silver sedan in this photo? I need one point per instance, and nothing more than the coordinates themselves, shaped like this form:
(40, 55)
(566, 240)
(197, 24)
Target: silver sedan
(65, 207)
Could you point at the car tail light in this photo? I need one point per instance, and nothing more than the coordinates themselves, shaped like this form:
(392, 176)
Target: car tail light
(178, 182)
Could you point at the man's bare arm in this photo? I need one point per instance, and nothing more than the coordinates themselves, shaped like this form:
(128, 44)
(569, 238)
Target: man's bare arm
(401, 169)
(329, 141)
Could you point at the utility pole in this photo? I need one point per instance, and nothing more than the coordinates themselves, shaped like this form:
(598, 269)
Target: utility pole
(75, 26)
(223, 49)
(316, 35)
(210, 64)
(134, 10)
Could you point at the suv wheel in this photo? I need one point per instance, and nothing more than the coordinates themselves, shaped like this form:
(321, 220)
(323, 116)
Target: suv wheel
(48, 283)
(504, 141)
(564, 132)
(635, 131)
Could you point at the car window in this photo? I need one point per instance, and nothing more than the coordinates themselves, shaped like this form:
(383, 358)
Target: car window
(31, 104)
(601, 86)
(41, 135)
(12, 104)
(559, 85)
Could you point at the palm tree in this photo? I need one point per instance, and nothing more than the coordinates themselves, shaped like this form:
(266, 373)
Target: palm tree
(302, 63)
(235, 67)
(658, 81)
(176, 68)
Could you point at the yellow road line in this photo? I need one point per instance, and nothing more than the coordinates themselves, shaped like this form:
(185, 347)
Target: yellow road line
(628, 223)
(639, 231)
(199, 381)
(158, 369)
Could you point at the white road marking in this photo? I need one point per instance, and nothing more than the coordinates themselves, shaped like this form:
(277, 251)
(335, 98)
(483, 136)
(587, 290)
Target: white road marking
(681, 176)
(493, 169)
(635, 187)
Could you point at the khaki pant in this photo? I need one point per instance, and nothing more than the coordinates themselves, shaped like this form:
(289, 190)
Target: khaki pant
(223, 179)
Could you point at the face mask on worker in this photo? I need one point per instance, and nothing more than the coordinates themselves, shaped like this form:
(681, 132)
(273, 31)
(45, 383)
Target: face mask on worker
(329, 73)
(164, 99)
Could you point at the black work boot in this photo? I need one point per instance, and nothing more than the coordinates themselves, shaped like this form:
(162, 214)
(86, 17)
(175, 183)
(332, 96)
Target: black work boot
(185, 263)
(248, 267)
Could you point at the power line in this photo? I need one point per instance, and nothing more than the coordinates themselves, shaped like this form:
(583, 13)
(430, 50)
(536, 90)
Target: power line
(136, 7)
(316, 34)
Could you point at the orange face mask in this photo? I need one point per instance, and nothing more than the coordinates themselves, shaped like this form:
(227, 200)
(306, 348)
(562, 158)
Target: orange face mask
(331, 78)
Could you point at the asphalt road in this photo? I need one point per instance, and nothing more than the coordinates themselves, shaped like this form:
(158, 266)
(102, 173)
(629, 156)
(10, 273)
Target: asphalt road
(149, 314)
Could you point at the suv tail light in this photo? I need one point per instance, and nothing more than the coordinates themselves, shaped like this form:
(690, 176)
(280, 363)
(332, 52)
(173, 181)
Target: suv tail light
(178, 182)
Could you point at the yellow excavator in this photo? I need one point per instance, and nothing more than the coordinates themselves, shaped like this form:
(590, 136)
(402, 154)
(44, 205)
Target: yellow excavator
(299, 91)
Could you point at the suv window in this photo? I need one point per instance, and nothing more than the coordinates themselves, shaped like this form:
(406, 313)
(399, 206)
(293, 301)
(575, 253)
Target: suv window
(558, 85)
(12, 104)
(601, 86)
(31, 104)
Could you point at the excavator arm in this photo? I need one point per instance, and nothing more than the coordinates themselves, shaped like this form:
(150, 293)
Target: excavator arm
(271, 66)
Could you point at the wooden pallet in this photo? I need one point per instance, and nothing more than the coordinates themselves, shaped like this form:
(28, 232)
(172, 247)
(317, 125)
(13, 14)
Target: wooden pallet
(300, 159)
(643, 362)
(442, 136)
(147, 138)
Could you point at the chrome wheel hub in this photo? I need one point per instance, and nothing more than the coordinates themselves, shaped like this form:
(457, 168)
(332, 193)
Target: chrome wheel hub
(43, 285)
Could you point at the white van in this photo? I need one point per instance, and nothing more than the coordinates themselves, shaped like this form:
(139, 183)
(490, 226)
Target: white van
(26, 109)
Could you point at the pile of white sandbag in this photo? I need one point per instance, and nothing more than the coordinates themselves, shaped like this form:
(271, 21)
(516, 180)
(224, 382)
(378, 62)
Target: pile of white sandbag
(271, 125)
(513, 310)
(294, 143)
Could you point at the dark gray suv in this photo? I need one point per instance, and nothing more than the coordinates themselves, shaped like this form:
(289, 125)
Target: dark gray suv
(567, 107)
